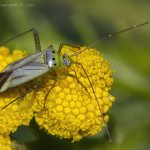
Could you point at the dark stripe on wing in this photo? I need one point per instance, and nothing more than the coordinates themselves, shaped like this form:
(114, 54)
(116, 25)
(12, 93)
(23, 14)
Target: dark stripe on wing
(17, 77)
(3, 77)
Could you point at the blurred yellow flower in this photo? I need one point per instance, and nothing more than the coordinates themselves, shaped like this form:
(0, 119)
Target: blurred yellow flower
(5, 143)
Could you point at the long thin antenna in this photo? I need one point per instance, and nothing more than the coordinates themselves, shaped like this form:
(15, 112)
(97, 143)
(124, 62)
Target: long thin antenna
(110, 35)
(90, 45)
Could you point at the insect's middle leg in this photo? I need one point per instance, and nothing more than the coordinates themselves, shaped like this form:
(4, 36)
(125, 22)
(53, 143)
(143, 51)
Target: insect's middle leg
(101, 112)
(55, 78)
(78, 81)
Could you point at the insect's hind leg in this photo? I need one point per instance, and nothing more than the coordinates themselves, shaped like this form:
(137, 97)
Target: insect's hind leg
(20, 97)
(36, 38)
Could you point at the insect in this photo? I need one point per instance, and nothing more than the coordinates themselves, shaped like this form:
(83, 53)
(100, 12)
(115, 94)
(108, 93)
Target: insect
(33, 66)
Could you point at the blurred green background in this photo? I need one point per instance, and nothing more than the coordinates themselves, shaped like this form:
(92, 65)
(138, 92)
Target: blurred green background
(81, 22)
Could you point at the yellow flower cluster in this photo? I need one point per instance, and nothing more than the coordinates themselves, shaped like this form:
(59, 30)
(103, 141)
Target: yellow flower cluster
(70, 110)
(5, 143)
(20, 112)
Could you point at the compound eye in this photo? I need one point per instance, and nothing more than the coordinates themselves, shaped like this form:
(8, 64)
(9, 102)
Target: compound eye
(66, 62)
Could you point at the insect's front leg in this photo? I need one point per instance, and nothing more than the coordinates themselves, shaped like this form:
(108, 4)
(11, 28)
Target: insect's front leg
(70, 45)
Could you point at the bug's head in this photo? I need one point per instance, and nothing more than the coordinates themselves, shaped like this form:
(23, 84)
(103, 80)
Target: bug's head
(66, 59)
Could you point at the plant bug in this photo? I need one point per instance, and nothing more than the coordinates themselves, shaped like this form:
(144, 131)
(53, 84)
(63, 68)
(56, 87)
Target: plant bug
(33, 66)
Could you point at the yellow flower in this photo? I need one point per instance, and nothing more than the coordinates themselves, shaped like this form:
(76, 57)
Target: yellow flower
(5, 143)
(70, 111)
(21, 111)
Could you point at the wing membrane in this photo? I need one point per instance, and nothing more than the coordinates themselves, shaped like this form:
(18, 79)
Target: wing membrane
(23, 70)
(38, 57)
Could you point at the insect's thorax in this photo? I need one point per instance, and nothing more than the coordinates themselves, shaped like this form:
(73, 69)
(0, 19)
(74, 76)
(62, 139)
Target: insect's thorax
(54, 59)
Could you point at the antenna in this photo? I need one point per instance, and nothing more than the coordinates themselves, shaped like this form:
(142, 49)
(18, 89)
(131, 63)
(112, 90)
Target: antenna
(108, 36)
(90, 45)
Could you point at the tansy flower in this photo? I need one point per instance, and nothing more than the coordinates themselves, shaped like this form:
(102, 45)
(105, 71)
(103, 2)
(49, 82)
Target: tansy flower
(5, 143)
(70, 110)
(19, 112)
